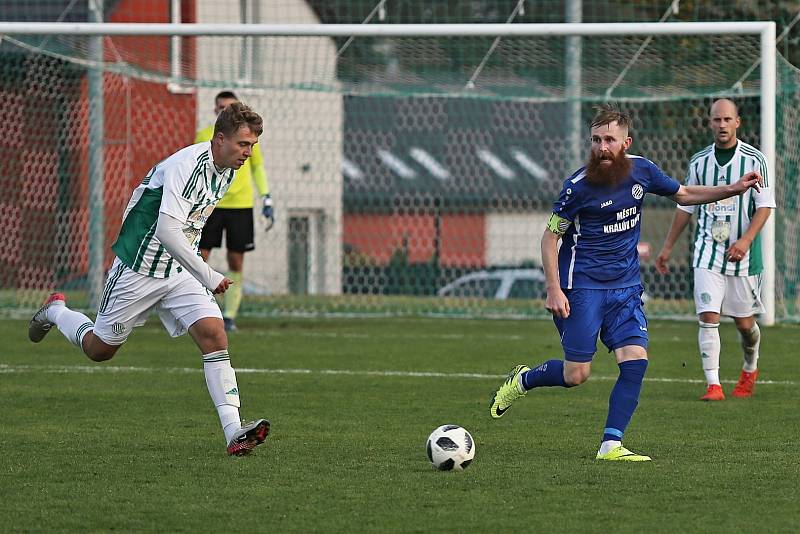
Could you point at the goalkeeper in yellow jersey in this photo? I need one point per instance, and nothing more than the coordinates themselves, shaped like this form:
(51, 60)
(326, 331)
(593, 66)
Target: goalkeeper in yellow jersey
(234, 216)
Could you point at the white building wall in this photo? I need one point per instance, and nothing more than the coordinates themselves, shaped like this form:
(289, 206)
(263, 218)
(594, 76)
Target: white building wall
(514, 238)
(302, 139)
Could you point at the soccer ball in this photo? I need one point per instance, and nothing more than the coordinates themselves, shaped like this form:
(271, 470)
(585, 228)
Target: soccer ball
(450, 447)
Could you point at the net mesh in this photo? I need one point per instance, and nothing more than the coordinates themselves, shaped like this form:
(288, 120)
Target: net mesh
(409, 175)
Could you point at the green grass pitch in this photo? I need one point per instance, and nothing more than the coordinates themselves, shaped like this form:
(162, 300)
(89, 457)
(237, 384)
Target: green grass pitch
(135, 445)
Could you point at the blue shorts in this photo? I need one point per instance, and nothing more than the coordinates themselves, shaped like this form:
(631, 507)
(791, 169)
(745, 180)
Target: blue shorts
(616, 314)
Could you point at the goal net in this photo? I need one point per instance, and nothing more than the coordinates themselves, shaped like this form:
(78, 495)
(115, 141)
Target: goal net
(409, 174)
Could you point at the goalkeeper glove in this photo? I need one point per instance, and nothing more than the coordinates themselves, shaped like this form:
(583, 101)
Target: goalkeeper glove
(267, 211)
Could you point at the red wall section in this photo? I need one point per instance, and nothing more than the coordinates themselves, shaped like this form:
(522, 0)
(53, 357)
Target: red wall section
(463, 241)
(462, 238)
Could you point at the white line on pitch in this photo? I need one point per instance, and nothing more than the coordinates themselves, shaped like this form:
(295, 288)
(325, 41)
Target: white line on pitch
(355, 335)
(110, 369)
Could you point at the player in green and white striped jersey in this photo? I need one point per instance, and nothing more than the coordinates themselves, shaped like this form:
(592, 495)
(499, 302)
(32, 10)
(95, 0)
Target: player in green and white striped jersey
(158, 268)
(727, 247)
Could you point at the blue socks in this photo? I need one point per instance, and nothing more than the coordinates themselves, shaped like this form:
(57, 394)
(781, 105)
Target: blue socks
(624, 398)
(550, 373)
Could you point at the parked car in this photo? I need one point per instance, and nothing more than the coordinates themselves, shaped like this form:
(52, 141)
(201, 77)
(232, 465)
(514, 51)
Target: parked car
(498, 284)
(502, 284)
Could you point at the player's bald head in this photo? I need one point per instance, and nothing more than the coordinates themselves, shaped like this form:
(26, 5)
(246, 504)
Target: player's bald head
(723, 119)
(724, 107)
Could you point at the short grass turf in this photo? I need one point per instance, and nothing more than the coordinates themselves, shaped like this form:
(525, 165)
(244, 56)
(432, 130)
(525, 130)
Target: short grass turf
(134, 444)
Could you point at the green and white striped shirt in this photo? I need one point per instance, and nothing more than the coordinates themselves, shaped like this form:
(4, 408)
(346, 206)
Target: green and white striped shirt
(185, 186)
(721, 223)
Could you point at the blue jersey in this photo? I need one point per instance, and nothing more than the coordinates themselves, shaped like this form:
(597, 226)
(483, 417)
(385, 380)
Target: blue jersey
(598, 250)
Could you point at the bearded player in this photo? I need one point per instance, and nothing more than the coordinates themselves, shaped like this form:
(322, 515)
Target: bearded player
(593, 281)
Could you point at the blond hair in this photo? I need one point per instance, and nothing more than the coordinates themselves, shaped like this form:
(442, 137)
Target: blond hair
(608, 113)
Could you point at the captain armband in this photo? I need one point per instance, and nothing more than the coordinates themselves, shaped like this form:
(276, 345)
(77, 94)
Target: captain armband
(558, 225)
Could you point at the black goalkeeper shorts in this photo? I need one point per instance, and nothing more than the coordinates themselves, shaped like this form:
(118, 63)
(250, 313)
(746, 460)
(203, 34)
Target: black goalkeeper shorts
(237, 223)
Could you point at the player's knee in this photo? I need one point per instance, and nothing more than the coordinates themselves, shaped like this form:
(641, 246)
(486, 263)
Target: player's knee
(218, 339)
(96, 350)
(745, 326)
(100, 354)
(575, 376)
(576, 379)
(215, 336)
(709, 318)
(209, 334)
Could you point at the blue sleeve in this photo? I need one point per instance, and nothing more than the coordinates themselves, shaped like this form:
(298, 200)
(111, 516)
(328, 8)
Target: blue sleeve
(568, 204)
(660, 183)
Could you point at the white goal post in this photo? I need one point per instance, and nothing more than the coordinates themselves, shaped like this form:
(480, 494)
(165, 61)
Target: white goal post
(766, 31)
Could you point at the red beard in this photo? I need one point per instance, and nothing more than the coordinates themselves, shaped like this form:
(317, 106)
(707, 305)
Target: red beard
(599, 173)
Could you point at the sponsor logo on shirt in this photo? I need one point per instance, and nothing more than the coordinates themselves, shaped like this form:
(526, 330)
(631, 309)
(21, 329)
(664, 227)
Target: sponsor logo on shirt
(624, 223)
(722, 207)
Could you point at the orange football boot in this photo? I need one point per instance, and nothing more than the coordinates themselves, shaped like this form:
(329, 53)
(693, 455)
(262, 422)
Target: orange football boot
(746, 384)
(713, 393)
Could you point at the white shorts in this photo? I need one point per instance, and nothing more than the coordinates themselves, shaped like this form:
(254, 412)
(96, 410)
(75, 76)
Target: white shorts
(734, 296)
(130, 297)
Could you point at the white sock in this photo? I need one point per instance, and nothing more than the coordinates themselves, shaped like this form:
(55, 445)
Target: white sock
(750, 344)
(520, 385)
(221, 383)
(74, 325)
(708, 339)
(607, 446)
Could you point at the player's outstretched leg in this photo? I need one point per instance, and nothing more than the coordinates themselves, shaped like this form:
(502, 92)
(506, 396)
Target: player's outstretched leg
(522, 378)
(41, 323)
(248, 437)
(510, 391)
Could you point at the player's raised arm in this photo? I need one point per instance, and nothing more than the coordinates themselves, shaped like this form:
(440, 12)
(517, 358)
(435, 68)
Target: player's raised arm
(704, 194)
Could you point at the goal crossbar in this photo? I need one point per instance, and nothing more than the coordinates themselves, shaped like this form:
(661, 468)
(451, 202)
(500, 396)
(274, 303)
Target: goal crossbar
(387, 30)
